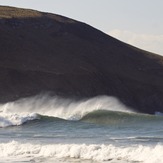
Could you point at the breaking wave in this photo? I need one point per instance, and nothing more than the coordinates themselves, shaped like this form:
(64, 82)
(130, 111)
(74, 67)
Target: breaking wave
(23, 110)
(137, 153)
(9, 119)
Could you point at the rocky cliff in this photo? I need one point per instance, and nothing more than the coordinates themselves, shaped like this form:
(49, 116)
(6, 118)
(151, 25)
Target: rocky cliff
(43, 52)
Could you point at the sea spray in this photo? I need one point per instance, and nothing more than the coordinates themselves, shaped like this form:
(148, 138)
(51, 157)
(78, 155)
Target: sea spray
(16, 113)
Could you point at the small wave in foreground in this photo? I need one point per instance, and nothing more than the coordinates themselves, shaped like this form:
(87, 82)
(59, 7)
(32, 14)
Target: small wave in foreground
(101, 153)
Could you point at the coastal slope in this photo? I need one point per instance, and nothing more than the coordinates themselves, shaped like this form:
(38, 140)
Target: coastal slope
(43, 52)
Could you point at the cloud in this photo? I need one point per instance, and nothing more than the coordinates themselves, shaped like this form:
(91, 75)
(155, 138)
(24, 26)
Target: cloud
(152, 43)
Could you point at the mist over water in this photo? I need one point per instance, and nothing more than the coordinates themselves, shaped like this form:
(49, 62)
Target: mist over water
(68, 109)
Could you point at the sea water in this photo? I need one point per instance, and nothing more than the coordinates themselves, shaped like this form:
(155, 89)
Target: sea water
(47, 129)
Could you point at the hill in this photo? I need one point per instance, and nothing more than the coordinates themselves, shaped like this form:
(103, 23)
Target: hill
(43, 52)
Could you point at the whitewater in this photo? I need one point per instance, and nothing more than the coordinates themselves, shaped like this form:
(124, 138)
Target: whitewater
(95, 130)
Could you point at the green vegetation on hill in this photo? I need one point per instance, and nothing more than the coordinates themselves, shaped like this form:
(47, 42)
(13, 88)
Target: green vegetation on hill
(9, 12)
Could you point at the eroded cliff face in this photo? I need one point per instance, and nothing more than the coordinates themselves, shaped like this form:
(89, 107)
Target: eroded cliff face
(43, 52)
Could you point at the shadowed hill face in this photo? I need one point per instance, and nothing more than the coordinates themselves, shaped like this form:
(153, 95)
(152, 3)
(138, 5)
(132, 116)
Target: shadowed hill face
(42, 52)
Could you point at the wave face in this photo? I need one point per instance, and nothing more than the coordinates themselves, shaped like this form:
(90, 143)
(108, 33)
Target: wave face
(116, 117)
(21, 111)
(138, 153)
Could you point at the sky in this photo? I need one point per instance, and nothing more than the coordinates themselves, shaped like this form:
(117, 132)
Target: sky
(137, 22)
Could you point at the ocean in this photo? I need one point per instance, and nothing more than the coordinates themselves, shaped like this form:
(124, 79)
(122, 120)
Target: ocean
(44, 129)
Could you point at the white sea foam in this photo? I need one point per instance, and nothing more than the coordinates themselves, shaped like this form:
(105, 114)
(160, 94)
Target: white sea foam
(16, 113)
(139, 153)
(10, 119)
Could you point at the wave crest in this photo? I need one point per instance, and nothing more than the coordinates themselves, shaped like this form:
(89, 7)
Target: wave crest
(16, 113)
(7, 119)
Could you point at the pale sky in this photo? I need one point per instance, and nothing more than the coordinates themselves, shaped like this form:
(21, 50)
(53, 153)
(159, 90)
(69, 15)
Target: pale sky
(137, 22)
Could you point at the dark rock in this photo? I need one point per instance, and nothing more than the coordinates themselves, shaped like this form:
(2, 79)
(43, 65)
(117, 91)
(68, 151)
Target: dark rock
(42, 52)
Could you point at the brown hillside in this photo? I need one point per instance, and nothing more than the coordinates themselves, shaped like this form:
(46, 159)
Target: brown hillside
(42, 52)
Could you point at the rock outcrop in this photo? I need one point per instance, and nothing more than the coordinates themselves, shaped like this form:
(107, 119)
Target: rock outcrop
(43, 52)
